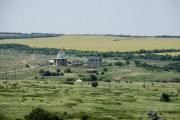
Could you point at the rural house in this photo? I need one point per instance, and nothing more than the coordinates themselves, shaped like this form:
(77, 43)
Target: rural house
(77, 63)
(94, 61)
(60, 59)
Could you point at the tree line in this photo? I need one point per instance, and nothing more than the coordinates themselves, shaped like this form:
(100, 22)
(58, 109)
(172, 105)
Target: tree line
(8, 35)
(129, 55)
(168, 67)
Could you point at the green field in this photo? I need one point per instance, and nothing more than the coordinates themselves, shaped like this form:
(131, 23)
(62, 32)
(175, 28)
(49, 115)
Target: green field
(100, 43)
(127, 99)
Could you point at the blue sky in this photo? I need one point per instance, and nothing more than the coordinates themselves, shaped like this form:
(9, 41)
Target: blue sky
(132, 17)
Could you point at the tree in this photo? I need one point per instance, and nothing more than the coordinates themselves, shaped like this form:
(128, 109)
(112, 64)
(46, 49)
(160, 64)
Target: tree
(58, 70)
(70, 79)
(93, 77)
(41, 114)
(119, 64)
(152, 115)
(84, 117)
(165, 97)
(27, 65)
(105, 69)
(47, 73)
(41, 71)
(94, 84)
(102, 73)
(127, 62)
(68, 70)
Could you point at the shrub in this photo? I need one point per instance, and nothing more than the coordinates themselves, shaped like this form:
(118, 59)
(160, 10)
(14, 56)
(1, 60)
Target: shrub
(70, 79)
(175, 80)
(84, 117)
(165, 97)
(68, 70)
(27, 65)
(109, 64)
(93, 77)
(107, 80)
(94, 84)
(54, 74)
(119, 64)
(152, 115)
(36, 77)
(105, 69)
(58, 70)
(41, 71)
(127, 62)
(47, 73)
(102, 73)
(41, 114)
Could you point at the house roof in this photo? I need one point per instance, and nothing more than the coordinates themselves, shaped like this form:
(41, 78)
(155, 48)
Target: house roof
(94, 58)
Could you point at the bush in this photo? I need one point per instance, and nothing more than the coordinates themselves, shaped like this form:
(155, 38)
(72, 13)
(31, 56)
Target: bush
(105, 69)
(107, 80)
(36, 77)
(41, 114)
(102, 73)
(68, 70)
(84, 117)
(93, 77)
(62, 74)
(165, 97)
(41, 71)
(94, 84)
(54, 74)
(109, 64)
(175, 80)
(70, 79)
(152, 115)
(119, 64)
(127, 62)
(27, 65)
(47, 73)
(58, 70)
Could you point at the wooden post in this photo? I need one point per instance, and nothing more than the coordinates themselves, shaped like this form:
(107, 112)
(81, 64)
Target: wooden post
(15, 73)
(6, 78)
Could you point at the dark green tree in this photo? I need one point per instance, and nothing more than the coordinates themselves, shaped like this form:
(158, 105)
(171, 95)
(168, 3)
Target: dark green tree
(93, 77)
(127, 62)
(94, 84)
(41, 114)
(41, 71)
(165, 97)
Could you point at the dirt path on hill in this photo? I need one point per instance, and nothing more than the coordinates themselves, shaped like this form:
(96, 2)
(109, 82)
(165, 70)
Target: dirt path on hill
(30, 66)
(24, 69)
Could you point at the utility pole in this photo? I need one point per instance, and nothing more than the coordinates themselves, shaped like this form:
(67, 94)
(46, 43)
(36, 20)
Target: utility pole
(6, 77)
(109, 87)
(144, 82)
(15, 73)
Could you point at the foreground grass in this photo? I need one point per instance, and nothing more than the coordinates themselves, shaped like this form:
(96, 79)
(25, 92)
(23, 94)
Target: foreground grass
(125, 100)
(100, 43)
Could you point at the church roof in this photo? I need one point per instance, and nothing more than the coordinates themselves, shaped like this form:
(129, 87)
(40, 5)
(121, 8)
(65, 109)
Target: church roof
(61, 54)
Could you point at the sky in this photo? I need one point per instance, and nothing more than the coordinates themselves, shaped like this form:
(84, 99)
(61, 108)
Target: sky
(127, 17)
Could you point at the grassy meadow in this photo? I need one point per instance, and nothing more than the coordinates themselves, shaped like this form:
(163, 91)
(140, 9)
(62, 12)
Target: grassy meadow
(99, 43)
(126, 99)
